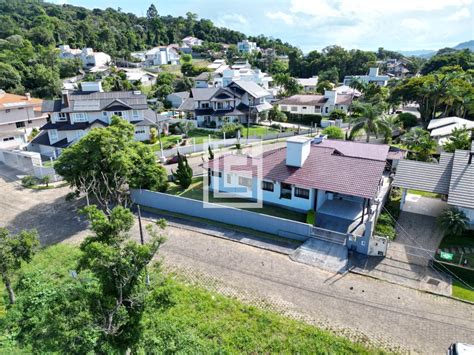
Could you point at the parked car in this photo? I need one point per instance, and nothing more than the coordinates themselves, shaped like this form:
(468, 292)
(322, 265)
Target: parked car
(172, 160)
(460, 349)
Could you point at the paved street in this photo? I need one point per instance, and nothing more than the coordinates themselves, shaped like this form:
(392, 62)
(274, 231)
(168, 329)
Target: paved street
(356, 306)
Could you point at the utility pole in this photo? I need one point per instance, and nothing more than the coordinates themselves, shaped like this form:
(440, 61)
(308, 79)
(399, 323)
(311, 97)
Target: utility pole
(142, 241)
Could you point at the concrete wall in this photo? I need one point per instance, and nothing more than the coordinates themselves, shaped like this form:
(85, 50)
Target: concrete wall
(20, 160)
(223, 214)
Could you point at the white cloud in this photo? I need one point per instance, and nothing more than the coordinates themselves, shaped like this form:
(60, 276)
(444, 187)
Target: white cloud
(460, 15)
(280, 15)
(232, 20)
(414, 24)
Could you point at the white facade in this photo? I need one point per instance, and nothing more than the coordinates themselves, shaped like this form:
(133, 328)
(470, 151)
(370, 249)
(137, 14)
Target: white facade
(245, 74)
(372, 77)
(247, 47)
(161, 56)
(90, 59)
(324, 107)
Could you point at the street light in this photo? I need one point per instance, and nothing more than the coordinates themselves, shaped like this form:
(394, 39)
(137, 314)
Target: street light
(162, 157)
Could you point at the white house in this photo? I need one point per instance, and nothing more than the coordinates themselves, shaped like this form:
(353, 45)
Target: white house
(94, 61)
(177, 98)
(453, 176)
(72, 116)
(246, 46)
(137, 74)
(316, 104)
(341, 181)
(442, 128)
(19, 115)
(162, 55)
(308, 84)
(372, 77)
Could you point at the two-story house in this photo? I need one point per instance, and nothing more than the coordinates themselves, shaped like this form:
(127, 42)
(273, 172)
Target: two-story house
(94, 61)
(247, 46)
(316, 104)
(372, 77)
(162, 55)
(19, 115)
(72, 116)
(241, 102)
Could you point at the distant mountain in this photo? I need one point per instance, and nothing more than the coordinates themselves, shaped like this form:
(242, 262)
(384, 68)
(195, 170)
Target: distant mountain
(466, 45)
(425, 53)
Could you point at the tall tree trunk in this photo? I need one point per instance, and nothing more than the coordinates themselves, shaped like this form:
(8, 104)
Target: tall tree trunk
(368, 137)
(8, 285)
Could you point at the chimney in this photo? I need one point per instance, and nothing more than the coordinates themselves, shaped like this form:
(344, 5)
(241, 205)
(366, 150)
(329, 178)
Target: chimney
(331, 95)
(28, 96)
(374, 71)
(297, 150)
(65, 98)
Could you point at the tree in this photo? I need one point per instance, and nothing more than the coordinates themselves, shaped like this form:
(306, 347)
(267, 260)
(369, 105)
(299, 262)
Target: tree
(15, 249)
(10, 78)
(368, 118)
(115, 163)
(119, 266)
(275, 114)
(186, 58)
(323, 86)
(333, 132)
(460, 138)
(337, 114)
(184, 173)
(289, 84)
(153, 135)
(453, 221)
(184, 84)
(408, 120)
(420, 142)
(184, 127)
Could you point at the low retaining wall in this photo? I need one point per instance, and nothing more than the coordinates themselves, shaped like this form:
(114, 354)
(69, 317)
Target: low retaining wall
(252, 220)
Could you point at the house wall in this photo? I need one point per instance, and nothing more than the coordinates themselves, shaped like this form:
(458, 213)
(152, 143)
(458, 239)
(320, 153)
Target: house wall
(142, 133)
(270, 197)
(302, 110)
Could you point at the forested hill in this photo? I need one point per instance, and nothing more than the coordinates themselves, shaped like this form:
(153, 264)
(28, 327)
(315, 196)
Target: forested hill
(110, 30)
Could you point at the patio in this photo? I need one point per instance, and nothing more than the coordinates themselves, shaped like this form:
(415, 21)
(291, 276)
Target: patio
(341, 216)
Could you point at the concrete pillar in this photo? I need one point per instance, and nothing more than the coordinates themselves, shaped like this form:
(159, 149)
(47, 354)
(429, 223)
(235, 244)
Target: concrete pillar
(402, 201)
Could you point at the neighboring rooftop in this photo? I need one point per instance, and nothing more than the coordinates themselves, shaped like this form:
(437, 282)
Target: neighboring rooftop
(252, 88)
(9, 101)
(309, 100)
(441, 127)
(308, 81)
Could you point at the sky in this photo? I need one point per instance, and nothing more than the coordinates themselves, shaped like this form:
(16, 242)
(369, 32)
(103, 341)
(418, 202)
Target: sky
(315, 24)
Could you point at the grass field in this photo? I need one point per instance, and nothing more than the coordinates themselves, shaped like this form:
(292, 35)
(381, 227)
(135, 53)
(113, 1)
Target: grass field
(424, 193)
(195, 192)
(179, 318)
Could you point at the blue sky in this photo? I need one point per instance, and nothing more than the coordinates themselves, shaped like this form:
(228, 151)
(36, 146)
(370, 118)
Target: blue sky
(314, 24)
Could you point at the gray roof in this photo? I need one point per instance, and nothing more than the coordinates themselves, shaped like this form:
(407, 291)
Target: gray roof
(431, 177)
(461, 187)
(206, 94)
(187, 105)
(97, 101)
(310, 100)
(151, 118)
(182, 94)
(251, 88)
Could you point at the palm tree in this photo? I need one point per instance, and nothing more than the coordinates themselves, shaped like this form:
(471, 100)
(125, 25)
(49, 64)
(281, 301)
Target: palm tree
(419, 140)
(453, 221)
(369, 119)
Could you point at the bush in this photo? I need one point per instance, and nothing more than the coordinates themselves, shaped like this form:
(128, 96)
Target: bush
(29, 181)
(304, 119)
(337, 114)
(230, 129)
(311, 217)
(408, 120)
(333, 132)
(184, 173)
(212, 124)
(385, 226)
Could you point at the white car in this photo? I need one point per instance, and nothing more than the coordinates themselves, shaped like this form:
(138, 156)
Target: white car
(460, 349)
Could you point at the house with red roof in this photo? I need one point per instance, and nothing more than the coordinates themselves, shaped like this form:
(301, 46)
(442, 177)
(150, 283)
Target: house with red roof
(344, 182)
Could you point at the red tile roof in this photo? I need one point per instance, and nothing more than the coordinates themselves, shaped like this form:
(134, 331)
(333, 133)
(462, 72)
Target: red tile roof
(326, 168)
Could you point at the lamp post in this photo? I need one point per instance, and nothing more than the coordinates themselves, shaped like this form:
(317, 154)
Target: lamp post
(162, 156)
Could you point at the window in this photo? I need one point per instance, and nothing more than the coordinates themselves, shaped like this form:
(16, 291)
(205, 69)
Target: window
(135, 114)
(267, 186)
(284, 108)
(118, 113)
(217, 173)
(140, 131)
(304, 107)
(80, 117)
(205, 105)
(244, 181)
(53, 135)
(294, 108)
(327, 109)
(61, 116)
(302, 193)
(220, 105)
(20, 124)
(285, 191)
(229, 178)
(104, 114)
(317, 108)
(8, 139)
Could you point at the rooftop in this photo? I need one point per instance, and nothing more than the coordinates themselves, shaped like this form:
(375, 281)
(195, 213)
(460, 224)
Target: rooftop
(9, 101)
(309, 100)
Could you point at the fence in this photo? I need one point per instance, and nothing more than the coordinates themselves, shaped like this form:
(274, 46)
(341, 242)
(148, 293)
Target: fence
(202, 147)
(219, 213)
(28, 162)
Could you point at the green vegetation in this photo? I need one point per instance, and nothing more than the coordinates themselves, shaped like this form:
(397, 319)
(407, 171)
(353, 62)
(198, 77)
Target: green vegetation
(408, 120)
(386, 223)
(424, 193)
(195, 192)
(184, 173)
(464, 289)
(460, 138)
(420, 143)
(453, 221)
(311, 217)
(368, 118)
(177, 317)
(333, 132)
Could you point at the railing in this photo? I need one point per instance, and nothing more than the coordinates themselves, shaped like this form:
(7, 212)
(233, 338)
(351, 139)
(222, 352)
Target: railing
(329, 236)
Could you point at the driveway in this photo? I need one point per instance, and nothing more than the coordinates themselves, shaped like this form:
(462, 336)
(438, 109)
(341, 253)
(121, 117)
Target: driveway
(361, 308)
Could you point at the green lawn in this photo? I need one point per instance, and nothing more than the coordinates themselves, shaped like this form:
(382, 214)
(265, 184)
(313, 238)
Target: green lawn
(178, 317)
(466, 240)
(424, 193)
(195, 192)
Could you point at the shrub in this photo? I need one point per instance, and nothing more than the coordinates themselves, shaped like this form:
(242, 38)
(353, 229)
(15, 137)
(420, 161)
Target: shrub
(45, 180)
(28, 181)
(304, 119)
(408, 120)
(212, 124)
(230, 129)
(337, 114)
(310, 217)
(453, 221)
(184, 173)
(385, 226)
(333, 132)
